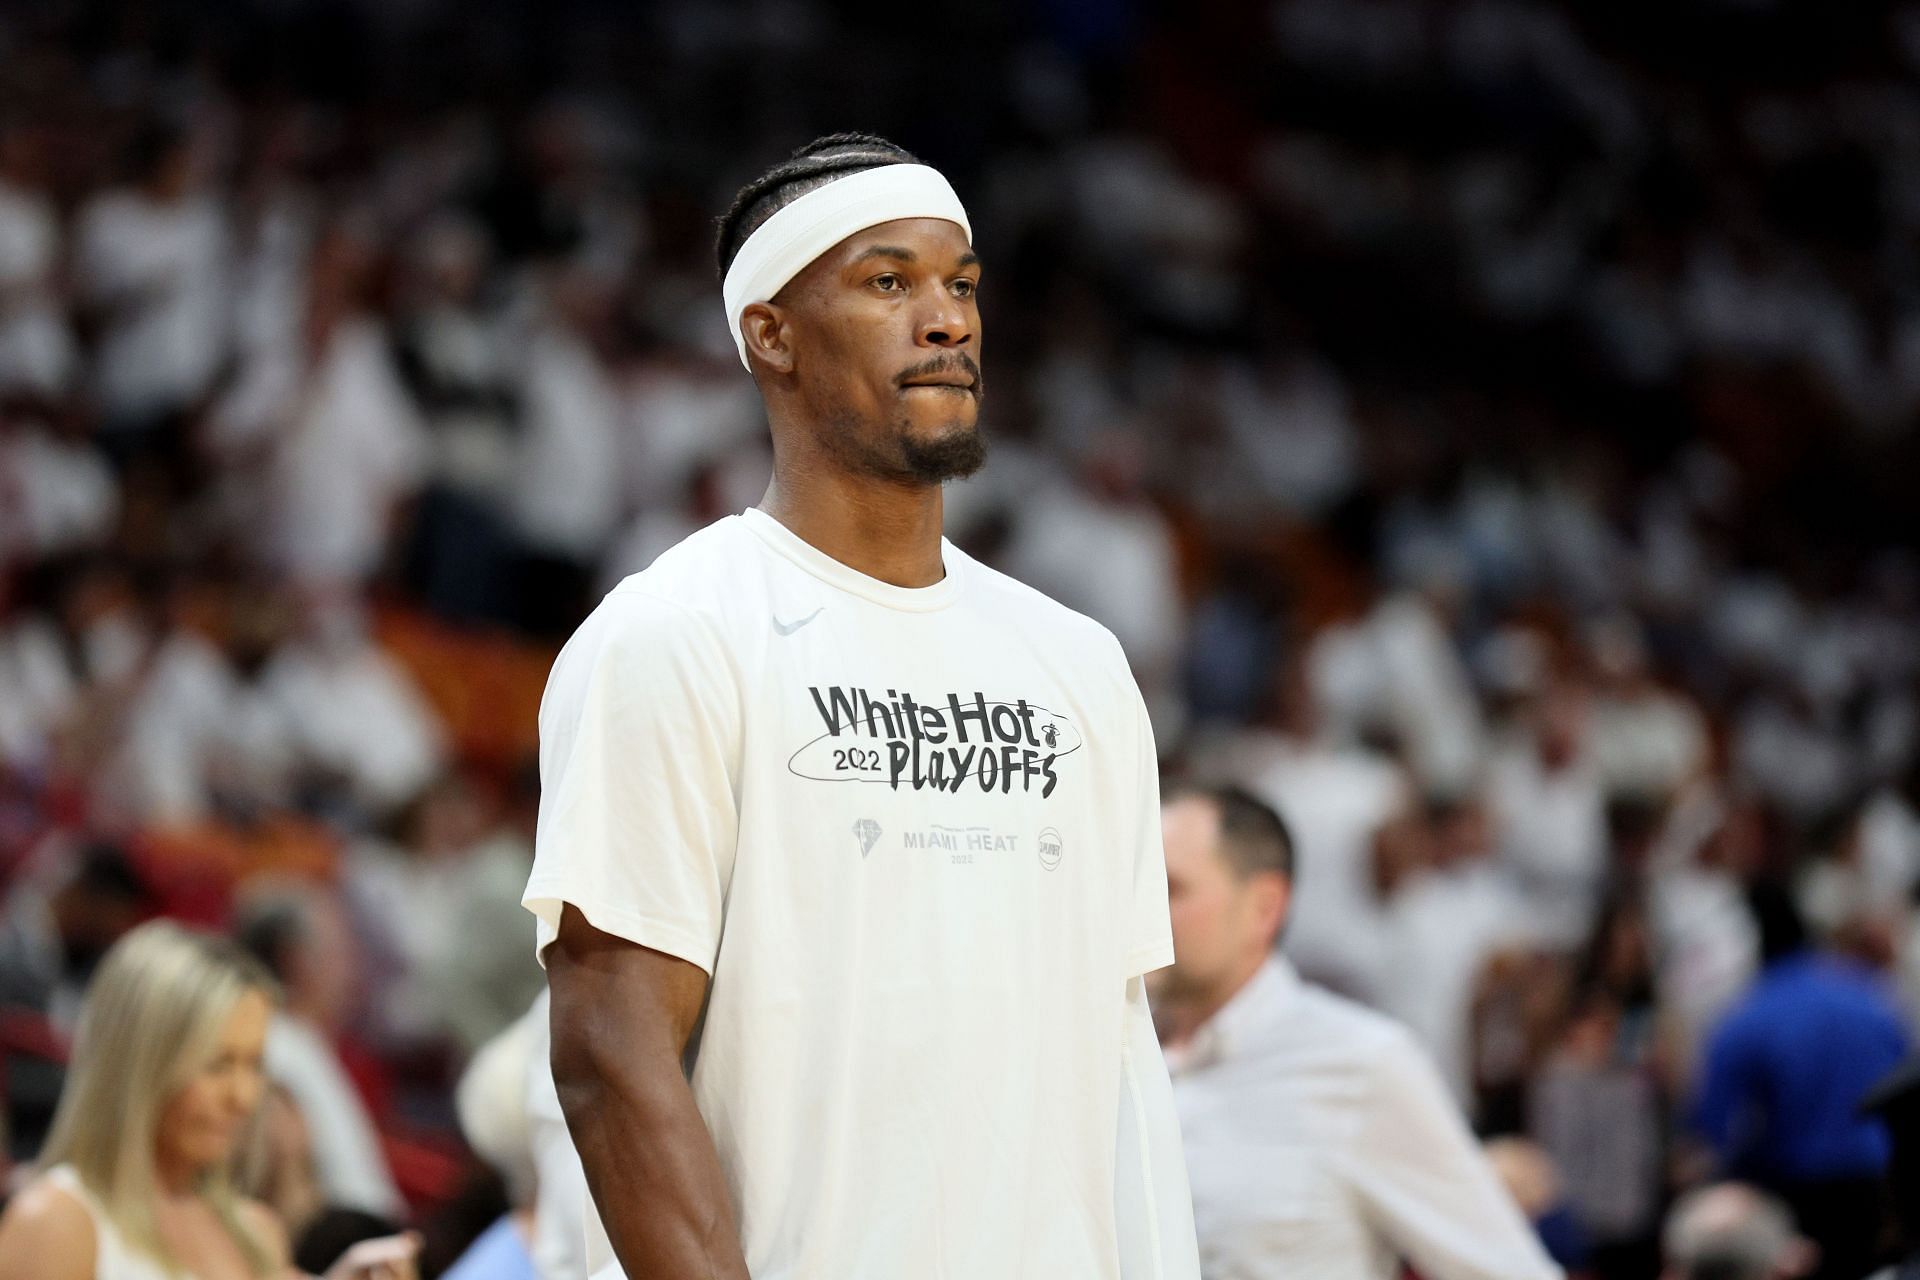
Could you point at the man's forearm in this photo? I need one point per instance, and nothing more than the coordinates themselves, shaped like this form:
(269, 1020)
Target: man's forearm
(621, 1017)
(653, 1172)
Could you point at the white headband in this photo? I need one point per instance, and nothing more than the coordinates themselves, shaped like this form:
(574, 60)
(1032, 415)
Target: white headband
(782, 246)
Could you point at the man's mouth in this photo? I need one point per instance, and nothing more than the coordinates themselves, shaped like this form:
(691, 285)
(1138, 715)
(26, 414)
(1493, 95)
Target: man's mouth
(944, 375)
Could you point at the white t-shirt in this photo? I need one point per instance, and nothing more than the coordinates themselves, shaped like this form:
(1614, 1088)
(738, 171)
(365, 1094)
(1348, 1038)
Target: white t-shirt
(346, 1147)
(565, 493)
(37, 350)
(913, 835)
(163, 268)
(1438, 934)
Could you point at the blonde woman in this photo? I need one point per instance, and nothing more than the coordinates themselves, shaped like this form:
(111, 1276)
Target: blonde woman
(135, 1180)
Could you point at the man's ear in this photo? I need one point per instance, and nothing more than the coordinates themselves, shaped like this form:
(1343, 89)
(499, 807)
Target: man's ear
(768, 337)
(1274, 894)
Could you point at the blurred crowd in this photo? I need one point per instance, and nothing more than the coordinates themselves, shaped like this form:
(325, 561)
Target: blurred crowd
(1489, 427)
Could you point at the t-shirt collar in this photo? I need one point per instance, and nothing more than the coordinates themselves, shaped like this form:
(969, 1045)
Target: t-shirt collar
(792, 546)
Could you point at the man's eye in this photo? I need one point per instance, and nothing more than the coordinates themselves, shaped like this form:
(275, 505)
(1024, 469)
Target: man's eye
(887, 282)
(963, 287)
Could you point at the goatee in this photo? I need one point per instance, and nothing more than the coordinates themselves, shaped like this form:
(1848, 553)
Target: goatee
(903, 457)
(952, 457)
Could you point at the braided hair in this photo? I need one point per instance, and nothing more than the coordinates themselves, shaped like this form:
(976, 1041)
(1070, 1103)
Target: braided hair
(810, 167)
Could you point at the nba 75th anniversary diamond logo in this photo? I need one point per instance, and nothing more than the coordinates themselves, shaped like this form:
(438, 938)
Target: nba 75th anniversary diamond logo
(868, 832)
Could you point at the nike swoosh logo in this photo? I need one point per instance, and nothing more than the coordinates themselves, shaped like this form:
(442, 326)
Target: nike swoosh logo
(788, 628)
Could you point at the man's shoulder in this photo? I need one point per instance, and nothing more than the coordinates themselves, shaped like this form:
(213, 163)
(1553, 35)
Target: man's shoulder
(1386, 1064)
(1773, 1007)
(1809, 979)
(694, 573)
(1864, 991)
(1366, 1033)
(1009, 599)
(676, 605)
(687, 587)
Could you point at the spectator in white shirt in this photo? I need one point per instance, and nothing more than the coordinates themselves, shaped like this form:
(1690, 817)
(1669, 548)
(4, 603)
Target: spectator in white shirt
(458, 353)
(203, 737)
(319, 438)
(560, 1208)
(1102, 547)
(431, 909)
(1444, 924)
(1646, 741)
(152, 260)
(1705, 945)
(491, 1101)
(57, 494)
(70, 667)
(37, 353)
(1320, 1139)
(1550, 806)
(359, 721)
(564, 499)
(301, 934)
(1335, 798)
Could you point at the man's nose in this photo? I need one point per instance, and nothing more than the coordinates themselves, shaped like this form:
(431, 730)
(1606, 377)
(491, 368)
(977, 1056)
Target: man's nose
(944, 323)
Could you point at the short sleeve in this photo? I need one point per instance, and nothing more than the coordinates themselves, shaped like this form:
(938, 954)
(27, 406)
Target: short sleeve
(1149, 928)
(639, 747)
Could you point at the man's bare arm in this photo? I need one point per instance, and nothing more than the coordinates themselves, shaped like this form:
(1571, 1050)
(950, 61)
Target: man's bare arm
(621, 1017)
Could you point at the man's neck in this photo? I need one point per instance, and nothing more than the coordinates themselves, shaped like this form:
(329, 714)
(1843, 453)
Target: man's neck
(1180, 1018)
(885, 530)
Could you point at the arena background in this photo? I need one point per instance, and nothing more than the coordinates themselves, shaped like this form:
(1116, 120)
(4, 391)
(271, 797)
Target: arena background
(1490, 428)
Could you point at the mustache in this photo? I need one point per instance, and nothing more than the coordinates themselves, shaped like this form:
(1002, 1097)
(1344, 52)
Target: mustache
(941, 365)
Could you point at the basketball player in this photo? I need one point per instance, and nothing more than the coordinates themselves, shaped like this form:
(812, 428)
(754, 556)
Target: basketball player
(878, 820)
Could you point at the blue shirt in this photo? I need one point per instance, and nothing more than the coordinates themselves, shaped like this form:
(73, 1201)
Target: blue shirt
(1786, 1069)
(499, 1254)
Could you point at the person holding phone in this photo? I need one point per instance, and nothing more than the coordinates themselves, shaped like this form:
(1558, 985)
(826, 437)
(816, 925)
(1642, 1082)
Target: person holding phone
(136, 1179)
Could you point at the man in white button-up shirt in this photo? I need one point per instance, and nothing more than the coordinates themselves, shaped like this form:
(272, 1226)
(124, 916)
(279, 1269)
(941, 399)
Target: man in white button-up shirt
(1321, 1143)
